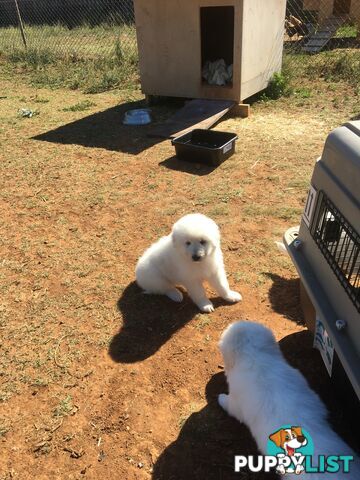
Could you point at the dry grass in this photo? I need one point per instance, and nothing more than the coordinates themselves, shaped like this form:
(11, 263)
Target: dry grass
(76, 214)
(83, 41)
(93, 59)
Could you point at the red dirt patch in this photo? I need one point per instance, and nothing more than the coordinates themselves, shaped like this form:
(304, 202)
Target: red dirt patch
(96, 379)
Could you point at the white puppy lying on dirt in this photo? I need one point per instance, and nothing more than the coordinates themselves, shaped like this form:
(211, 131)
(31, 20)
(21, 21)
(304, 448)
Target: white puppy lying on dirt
(266, 393)
(190, 255)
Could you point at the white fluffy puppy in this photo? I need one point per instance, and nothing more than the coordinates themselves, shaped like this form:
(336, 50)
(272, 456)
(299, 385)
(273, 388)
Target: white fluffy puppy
(190, 255)
(265, 393)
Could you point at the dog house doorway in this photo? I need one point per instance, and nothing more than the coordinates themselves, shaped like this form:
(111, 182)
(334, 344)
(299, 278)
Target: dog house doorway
(217, 45)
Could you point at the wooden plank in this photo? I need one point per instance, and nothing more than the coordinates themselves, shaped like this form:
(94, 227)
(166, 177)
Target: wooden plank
(311, 49)
(316, 43)
(322, 35)
(320, 38)
(197, 113)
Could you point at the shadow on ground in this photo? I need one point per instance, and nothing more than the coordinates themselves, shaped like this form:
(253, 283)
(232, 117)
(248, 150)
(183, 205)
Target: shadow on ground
(343, 410)
(207, 444)
(284, 296)
(149, 321)
(209, 439)
(337, 392)
(106, 130)
(173, 163)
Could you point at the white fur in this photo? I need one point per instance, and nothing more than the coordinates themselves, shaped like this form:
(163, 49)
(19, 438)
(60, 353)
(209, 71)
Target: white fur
(265, 393)
(169, 262)
(281, 247)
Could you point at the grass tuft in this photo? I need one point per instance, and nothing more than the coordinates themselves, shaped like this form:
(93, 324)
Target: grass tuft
(80, 106)
(332, 66)
(4, 427)
(346, 31)
(279, 86)
(64, 408)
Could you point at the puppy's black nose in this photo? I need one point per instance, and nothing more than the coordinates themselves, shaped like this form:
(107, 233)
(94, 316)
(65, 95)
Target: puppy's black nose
(301, 438)
(196, 258)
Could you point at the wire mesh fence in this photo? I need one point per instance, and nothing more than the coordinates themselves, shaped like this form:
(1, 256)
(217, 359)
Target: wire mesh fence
(105, 30)
(322, 39)
(314, 25)
(85, 28)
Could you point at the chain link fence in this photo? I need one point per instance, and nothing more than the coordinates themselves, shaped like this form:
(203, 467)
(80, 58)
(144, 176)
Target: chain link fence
(312, 26)
(105, 29)
(322, 40)
(84, 28)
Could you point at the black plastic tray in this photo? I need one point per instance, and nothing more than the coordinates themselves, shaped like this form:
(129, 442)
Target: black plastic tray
(205, 146)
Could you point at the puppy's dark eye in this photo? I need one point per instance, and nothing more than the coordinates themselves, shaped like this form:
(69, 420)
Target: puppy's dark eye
(203, 242)
(188, 243)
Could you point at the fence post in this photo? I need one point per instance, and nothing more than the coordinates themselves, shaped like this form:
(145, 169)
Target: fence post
(20, 23)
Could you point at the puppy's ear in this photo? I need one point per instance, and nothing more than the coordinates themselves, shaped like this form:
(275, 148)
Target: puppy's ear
(216, 236)
(277, 438)
(174, 236)
(297, 430)
(229, 358)
(227, 345)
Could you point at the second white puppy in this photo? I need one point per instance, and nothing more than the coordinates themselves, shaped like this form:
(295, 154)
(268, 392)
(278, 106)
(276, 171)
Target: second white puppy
(189, 256)
(266, 393)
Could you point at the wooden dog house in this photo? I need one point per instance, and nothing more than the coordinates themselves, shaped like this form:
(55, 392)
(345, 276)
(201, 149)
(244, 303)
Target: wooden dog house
(177, 39)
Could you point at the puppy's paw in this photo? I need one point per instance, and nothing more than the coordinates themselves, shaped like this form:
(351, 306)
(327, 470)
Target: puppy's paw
(280, 469)
(207, 307)
(175, 295)
(223, 401)
(233, 297)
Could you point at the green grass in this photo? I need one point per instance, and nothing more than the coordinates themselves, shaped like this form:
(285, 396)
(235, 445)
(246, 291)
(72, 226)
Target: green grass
(91, 59)
(302, 92)
(332, 66)
(105, 57)
(336, 66)
(279, 86)
(80, 106)
(82, 41)
(346, 31)
(203, 321)
(64, 408)
(92, 75)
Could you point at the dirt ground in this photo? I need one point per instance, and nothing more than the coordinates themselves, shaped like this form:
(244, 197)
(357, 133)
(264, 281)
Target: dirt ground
(98, 380)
